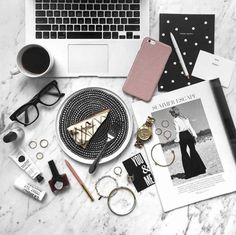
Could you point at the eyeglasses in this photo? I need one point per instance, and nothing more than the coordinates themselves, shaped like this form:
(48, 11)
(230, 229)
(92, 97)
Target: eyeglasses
(28, 113)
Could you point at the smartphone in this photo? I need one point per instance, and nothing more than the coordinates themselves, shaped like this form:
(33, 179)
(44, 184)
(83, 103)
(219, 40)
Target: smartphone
(147, 69)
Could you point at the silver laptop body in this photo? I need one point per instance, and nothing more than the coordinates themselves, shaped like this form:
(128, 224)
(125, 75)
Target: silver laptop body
(88, 37)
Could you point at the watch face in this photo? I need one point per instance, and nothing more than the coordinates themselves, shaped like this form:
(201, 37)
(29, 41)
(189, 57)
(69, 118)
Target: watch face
(144, 133)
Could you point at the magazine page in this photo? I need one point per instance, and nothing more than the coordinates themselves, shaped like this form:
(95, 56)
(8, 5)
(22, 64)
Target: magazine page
(189, 153)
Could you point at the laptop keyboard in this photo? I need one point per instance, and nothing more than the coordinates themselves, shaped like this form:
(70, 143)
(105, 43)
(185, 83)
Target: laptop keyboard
(87, 19)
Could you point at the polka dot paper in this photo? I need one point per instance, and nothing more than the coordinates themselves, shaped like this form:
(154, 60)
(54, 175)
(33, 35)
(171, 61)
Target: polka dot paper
(192, 33)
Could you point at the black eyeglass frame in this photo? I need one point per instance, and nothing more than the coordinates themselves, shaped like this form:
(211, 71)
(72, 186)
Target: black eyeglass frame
(34, 101)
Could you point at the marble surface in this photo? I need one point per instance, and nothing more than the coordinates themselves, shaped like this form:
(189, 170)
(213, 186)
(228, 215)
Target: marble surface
(72, 212)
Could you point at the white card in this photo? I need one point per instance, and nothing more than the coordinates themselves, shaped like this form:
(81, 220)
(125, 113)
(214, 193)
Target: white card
(209, 66)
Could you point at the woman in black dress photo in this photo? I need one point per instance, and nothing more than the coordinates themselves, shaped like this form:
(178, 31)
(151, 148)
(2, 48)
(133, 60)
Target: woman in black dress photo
(186, 136)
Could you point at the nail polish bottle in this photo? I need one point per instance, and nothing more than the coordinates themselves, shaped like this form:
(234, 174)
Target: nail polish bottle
(58, 182)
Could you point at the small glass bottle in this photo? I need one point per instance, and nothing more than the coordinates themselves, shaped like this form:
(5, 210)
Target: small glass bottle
(58, 182)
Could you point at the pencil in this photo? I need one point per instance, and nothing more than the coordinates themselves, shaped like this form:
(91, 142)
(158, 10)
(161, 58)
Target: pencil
(79, 180)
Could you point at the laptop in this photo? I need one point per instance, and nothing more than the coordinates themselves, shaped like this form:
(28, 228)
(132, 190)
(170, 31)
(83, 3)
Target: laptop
(88, 37)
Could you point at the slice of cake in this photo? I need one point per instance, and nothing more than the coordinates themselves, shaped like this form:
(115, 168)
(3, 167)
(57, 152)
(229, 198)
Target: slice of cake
(83, 131)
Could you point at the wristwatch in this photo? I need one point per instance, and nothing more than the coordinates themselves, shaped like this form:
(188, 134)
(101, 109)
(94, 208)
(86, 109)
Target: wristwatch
(144, 133)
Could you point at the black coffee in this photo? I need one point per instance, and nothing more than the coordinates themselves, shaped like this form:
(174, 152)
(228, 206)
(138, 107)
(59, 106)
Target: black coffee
(35, 60)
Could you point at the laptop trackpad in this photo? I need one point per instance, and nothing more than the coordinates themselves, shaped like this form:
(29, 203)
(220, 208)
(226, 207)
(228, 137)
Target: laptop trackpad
(88, 59)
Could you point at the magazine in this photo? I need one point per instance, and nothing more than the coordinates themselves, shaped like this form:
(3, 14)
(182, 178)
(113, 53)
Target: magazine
(192, 149)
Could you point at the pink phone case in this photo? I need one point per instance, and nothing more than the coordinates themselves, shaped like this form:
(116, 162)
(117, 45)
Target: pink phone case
(147, 69)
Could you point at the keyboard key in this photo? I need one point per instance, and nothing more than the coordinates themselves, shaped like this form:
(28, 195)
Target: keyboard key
(95, 20)
(53, 35)
(104, 7)
(107, 14)
(111, 7)
(135, 7)
(86, 14)
(91, 28)
(132, 28)
(64, 13)
(77, 27)
(41, 20)
(90, 7)
(114, 35)
(109, 21)
(100, 14)
(62, 27)
(105, 27)
(118, 7)
(124, 21)
(134, 21)
(58, 20)
(38, 35)
(80, 20)
(84, 28)
(129, 13)
(82, 7)
(113, 28)
(122, 14)
(56, 13)
(71, 13)
(120, 27)
(117, 21)
(75, 7)
(115, 14)
(38, 6)
(66, 21)
(136, 14)
(125, 7)
(73, 20)
(46, 6)
(87, 21)
(84, 35)
(61, 35)
(49, 13)
(129, 35)
(93, 14)
(60, 6)
(98, 28)
(40, 13)
(45, 35)
(53, 6)
(67, 6)
(69, 27)
(136, 37)
(55, 27)
(106, 35)
(51, 20)
(102, 21)
(97, 7)
(122, 37)
(42, 27)
(79, 14)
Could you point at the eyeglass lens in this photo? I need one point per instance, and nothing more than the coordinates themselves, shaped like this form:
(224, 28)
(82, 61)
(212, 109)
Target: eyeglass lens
(50, 95)
(28, 114)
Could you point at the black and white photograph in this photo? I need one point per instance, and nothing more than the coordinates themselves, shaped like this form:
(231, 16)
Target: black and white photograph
(186, 137)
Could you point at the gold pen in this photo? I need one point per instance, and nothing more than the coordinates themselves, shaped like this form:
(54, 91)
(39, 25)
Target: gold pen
(79, 180)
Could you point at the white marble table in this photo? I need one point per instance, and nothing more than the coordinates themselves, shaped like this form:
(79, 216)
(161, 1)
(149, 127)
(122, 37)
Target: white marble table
(72, 212)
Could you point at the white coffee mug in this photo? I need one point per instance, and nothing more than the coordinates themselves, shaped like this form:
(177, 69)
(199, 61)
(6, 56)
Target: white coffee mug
(33, 61)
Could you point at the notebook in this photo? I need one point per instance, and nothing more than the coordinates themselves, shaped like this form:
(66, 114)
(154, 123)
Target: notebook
(192, 33)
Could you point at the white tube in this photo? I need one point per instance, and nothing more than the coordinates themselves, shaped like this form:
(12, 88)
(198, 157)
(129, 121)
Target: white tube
(29, 189)
(26, 164)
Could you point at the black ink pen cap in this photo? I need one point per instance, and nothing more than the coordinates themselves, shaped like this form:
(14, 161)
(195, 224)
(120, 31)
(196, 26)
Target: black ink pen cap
(53, 169)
